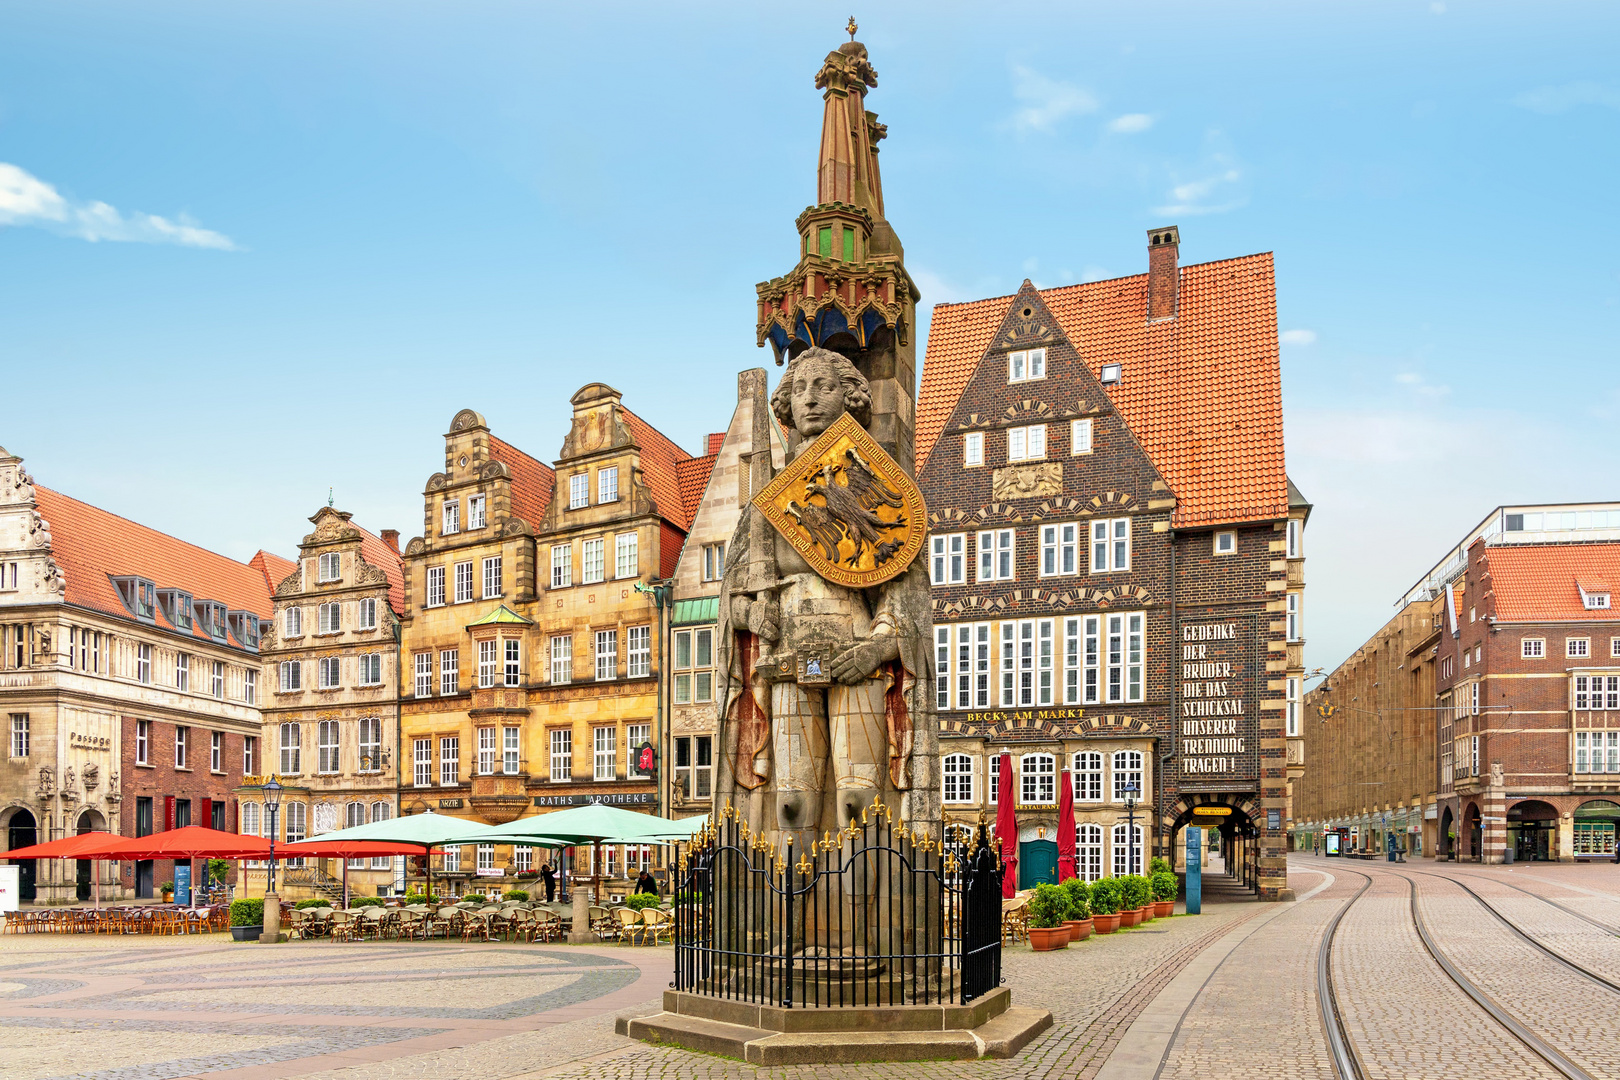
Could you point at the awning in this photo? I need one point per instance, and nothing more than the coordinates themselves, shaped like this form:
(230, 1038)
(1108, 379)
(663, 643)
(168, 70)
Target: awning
(705, 609)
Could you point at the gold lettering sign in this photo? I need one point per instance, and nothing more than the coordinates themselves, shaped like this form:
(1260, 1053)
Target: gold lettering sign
(1212, 811)
(847, 508)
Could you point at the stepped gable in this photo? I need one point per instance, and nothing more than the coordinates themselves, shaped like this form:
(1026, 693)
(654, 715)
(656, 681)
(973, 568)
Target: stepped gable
(93, 545)
(532, 483)
(1542, 582)
(1202, 392)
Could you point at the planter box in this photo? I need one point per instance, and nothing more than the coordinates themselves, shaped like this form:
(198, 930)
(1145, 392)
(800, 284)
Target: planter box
(1147, 912)
(1131, 917)
(1047, 938)
(1079, 929)
(1163, 909)
(1105, 924)
(246, 933)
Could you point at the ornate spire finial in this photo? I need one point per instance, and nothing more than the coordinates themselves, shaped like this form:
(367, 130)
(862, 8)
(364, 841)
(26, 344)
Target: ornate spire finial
(852, 28)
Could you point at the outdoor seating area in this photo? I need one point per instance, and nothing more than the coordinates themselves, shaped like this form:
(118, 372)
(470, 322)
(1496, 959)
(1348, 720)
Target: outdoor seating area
(147, 919)
(474, 920)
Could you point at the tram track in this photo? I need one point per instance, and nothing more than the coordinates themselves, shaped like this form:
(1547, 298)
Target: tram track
(1349, 1063)
(1607, 928)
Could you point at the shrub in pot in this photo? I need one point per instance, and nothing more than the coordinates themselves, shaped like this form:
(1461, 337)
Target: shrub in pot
(637, 901)
(367, 901)
(247, 919)
(1157, 865)
(1105, 899)
(517, 894)
(1165, 886)
(1138, 897)
(305, 904)
(1078, 916)
(1047, 909)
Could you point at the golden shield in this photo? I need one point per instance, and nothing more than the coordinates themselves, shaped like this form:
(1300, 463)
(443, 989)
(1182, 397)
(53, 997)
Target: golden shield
(853, 514)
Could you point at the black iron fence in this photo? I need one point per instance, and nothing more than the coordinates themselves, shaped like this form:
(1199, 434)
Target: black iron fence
(874, 914)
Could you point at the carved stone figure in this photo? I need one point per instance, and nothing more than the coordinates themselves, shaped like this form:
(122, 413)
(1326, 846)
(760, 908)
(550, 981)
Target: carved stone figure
(90, 776)
(47, 782)
(824, 681)
(69, 787)
(1038, 481)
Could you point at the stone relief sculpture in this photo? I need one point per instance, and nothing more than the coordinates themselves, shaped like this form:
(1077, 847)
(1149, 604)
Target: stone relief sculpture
(47, 782)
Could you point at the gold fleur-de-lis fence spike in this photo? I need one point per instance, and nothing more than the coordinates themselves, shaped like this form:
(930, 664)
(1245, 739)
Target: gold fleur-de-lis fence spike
(804, 866)
(826, 839)
(902, 834)
(888, 815)
(780, 865)
(950, 862)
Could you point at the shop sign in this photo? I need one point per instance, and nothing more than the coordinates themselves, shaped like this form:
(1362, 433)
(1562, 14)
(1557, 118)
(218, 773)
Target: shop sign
(1211, 811)
(1005, 716)
(1273, 819)
(624, 798)
(80, 741)
(450, 804)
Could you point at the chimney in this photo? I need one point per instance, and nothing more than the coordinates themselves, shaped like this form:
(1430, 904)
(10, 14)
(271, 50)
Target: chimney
(1163, 277)
(715, 442)
(391, 538)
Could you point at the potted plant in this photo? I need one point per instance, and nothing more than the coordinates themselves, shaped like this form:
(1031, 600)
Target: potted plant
(1165, 886)
(1078, 916)
(167, 889)
(1105, 900)
(517, 894)
(1047, 909)
(1131, 899)
(1157, 865)
(637, 901)
(247, 920)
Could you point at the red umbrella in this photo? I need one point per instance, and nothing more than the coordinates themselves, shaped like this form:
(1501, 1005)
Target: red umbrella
(191, 842)
(83, 846)
(1065, 837)
(1007, 828)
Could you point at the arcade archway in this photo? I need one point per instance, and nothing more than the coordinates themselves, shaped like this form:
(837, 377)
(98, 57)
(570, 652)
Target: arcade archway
(1233, 819)
(1448, 842)
(1531, 827)
(1474, 830)
(21, 831)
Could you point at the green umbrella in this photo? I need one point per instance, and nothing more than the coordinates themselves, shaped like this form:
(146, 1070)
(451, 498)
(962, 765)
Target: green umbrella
(593, 824)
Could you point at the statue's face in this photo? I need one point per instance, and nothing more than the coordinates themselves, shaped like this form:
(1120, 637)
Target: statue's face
(818, 397)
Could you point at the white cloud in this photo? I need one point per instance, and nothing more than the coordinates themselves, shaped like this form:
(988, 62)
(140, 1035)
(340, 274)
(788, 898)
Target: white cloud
(1437, 7)
(1130, 123)
(26, 200)
(1421, 385)
(1190, 198)
(1557, 99)
(1046, 101)
(1298, 337)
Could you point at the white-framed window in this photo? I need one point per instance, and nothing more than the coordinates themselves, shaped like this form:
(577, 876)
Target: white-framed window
(973, 449)
(562, 755)
(326, 746)
(291, 747)
(1226, 542)
(513, 649)
(182, 739)
(182, 672)
(579, 490)
(143, 742)
(1060, 545)
(942, 667)
(422, 762)
(292, 622)
(435, 586)
(250, 686)
(626, 555)
(485, 857)
(452, 860)
(957, 769)
(1597, 751)
(1026, 364)
(493, 584)
(1532, 648)
(452, 517)
(486, 751)
(997, 555)
(694, 661)
(250, 755)
(449, 671)
(19, 735)
(424, 674)
(328, 618)
(297, 825)
(992, 779)
(562, 659)
(1079, 437)
(591, 561)
(370, 746)
(1614, 645)
(694, 766)
(949, 554)
(607, 654)
(1110, 545)
(523, 859)
(449, 760)
(1028, 658)
(714, 562)
(1475, 754)
(1037, 780)
(562, 565)
(635, 735)
(250, 823)
(1088, 851)
(1295, 623)
(1026, 443)
(1295, 534)
(1127, 769)
(607, 484)
(367, 614)
(1291, 702)
(1127, 849)
(604, 753)
(464, 581)
(1086, 775)
(1595, 692)
(329, 567)
(1577, 647)
(1103, 658)
(489, 663)
(216, 682)
(638, 652)
(477, 517)
(329, 671)
(292, 675)
(1595, 601)
(143, 663)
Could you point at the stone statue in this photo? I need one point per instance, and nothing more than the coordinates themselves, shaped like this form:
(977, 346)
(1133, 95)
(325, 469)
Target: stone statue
(824, 684)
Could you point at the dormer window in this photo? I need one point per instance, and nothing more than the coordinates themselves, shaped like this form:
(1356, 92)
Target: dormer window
(245, 627)
(139, 596)
(1596, 601)
(212, 617)
(176, 607)
(1594, 595)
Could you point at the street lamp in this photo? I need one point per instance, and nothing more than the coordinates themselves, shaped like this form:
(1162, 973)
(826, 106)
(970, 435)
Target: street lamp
(1132, 790)
(272, 903)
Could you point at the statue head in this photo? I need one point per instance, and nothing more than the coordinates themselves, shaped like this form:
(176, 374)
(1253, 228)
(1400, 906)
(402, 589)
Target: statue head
(817, 388)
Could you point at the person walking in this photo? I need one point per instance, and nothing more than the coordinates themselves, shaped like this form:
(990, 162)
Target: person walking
(549, 876)
(646, 883)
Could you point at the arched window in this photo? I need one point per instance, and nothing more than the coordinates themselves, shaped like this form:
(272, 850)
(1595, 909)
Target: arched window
(1088, 778)
(291, 743)
(1127, 855)
(957, 770)
(248, 819)
(355, 814)
(1039, 779)
(1128, 770)
(381, 811)
(1088, 852)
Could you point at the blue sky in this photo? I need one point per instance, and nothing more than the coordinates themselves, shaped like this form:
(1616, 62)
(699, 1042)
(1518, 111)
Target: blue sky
(251, 251)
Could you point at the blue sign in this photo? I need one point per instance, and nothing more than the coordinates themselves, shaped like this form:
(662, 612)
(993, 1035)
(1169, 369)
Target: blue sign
(1195, 871)
(182, 883)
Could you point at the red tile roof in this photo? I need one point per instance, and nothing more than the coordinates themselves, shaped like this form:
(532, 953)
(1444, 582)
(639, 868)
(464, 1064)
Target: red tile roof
(1539, 582)
(274, 568)
(376, 552)
(693, 475)
(1202, 392)
(92, 545)
(660, 461)
(714, 442)
(532, 483)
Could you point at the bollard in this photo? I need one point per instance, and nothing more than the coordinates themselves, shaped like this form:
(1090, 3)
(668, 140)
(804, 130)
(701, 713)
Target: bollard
(581, 932)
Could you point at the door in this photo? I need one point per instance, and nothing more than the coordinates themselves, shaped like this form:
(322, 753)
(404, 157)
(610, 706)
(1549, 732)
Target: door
(143, 827)
(22, 831)
(1037, 863)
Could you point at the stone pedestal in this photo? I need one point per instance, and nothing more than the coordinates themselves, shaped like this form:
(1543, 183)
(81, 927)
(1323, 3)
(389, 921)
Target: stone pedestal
(772, 1035)
(272, 919)
(581, 934)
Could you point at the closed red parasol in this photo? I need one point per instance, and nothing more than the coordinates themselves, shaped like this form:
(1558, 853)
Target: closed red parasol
(1007, 827)
(1065, 835)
